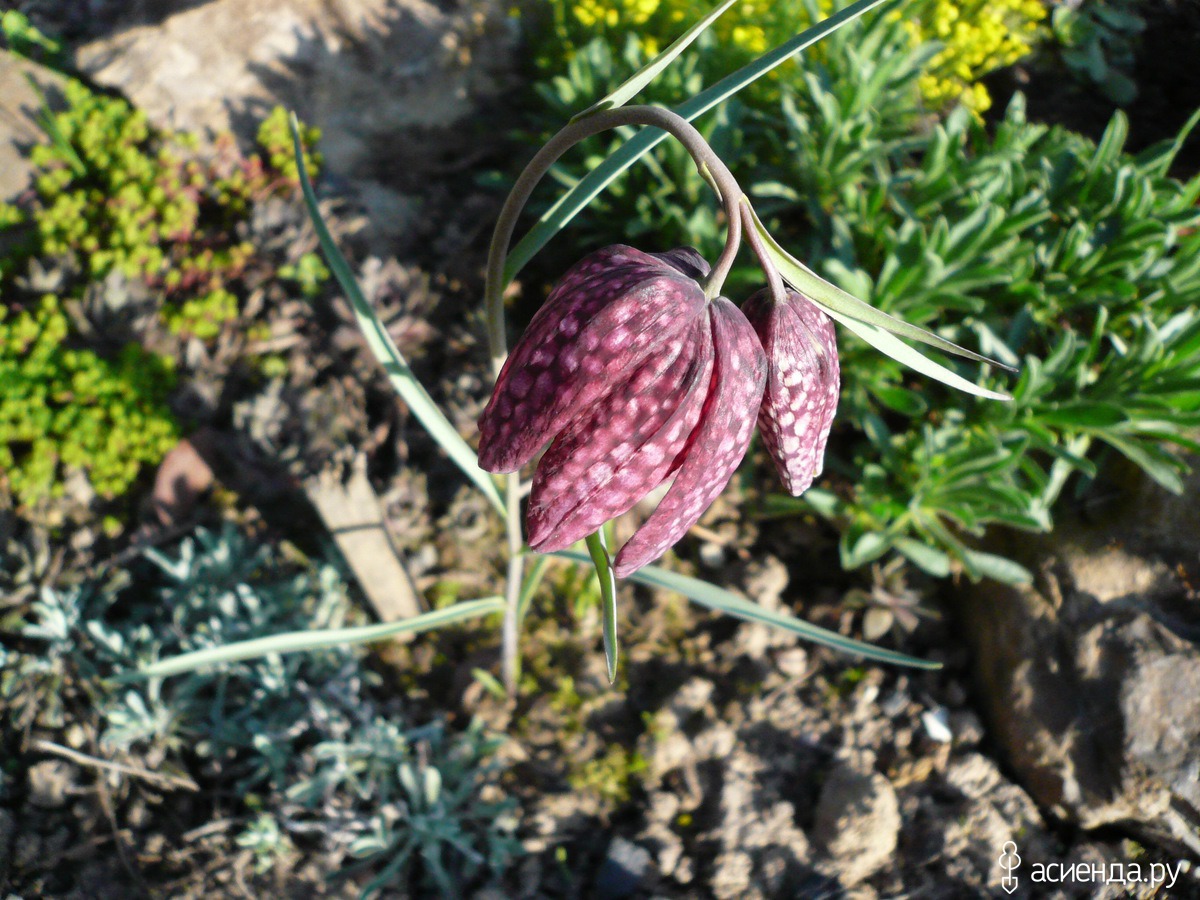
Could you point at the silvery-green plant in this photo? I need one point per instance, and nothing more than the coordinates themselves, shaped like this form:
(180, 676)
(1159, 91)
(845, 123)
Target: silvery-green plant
(331, 760)
(423, 805)
(267, 841)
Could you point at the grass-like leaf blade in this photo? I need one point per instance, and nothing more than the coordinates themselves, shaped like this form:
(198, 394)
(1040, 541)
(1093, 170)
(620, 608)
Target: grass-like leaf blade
(890, 345)
(883, 341)
(403, 380)
(721, 600)
(832, 299)
(294, 641)
(652, 69)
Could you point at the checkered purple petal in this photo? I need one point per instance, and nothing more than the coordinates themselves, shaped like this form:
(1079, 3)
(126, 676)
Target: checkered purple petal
(605, 462)
(601, 321)
(717, 444)
(803, 381)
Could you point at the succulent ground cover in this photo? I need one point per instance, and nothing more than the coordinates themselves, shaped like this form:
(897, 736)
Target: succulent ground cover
(726, 760)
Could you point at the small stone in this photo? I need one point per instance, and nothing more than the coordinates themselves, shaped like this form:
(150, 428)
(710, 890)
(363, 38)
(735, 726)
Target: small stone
(937, 725)
(732, 874)
(893, 704)
(858, 822)
(967, 728)
(624, 869)
(691, 698)
(792, 662)
(712, 555)
(48, 783)
(75, 737)
(974, 775)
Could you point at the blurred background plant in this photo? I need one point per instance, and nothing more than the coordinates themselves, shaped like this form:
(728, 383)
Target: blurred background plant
(320, 755)
(1098, 43)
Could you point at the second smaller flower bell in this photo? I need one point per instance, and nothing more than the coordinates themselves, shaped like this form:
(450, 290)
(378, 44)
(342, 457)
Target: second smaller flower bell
(803, 381)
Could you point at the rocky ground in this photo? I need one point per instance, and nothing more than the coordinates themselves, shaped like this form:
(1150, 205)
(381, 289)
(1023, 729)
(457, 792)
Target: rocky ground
(729, 760)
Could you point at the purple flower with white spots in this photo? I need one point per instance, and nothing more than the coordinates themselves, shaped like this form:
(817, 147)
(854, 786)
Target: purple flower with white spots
(803, 379)
(636, 377)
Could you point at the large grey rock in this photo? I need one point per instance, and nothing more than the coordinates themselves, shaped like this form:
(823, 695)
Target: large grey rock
(19, 106)
(1091, 678)
(367, 72)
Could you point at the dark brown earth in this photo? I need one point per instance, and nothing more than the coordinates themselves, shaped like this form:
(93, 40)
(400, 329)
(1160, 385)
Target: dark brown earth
(728, 760)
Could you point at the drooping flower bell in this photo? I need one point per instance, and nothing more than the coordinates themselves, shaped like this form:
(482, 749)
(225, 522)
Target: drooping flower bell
(636, 377)
(803, 380)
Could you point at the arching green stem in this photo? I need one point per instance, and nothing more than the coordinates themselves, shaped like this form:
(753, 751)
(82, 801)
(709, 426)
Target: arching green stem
(572, 134)
(754, 239)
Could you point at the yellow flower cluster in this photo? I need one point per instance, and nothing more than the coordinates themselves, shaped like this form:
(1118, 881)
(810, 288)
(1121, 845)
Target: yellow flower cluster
(978, 36)
(655, 23)
(593, 13)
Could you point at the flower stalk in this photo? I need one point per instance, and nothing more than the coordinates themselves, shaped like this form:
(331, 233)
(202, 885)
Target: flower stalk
(730, 194)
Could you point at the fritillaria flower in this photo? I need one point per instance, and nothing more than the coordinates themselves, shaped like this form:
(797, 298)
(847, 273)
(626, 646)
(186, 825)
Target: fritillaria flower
(636, 377)
(803, 380)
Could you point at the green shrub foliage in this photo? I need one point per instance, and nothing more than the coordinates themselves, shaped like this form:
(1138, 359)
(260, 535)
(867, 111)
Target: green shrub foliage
(1069, 258)
(113, 200)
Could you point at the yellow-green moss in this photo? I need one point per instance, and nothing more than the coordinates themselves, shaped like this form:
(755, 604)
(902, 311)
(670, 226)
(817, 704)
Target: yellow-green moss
(70, 407)
(113, 195)
(610, 777)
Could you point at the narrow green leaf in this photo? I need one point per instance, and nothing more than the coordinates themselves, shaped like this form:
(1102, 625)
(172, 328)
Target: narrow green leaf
(598, 549)
(892, 346)
(385, 349)
(1108, 148)
(824, 502)
(721, 600)
(868, 547)
(929, 559)
(577, 199)
(833, 299)
(901, 400)
(293, 641)
(490, 683)
(1158, 464)
(652, 69)
(998, 568)
(1082, 414)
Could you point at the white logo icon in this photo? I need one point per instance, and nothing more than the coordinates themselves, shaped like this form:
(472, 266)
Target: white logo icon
(1009, 860)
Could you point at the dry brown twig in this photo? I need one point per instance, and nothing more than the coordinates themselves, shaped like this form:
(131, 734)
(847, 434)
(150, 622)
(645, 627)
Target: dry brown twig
(83, 759)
